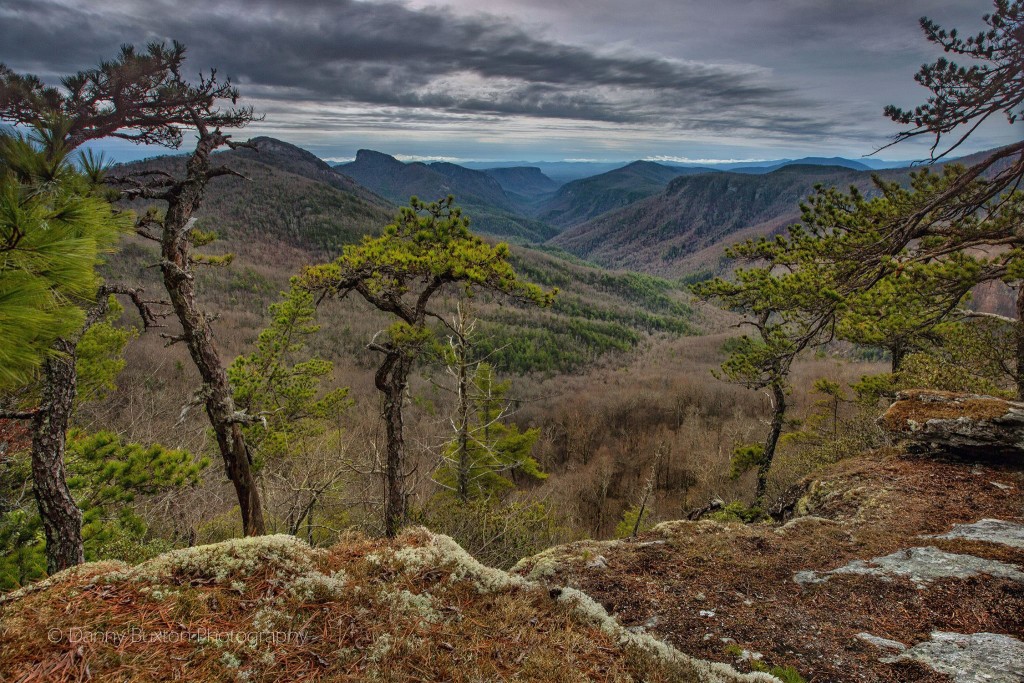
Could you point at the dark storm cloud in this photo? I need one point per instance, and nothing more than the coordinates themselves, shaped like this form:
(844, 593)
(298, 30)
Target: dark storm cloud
(391, 55)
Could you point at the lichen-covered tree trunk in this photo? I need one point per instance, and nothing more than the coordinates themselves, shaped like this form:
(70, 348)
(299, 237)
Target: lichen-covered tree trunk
(197, 334)
(771, 443)
(392, 379)
(62, 520)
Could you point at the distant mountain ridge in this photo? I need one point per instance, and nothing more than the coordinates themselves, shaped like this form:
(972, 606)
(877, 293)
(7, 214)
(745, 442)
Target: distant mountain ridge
(668, 232)
(528, 182)
(581, 200)
(686, 227)
(287, 195)
(481, 195)
(840, 162)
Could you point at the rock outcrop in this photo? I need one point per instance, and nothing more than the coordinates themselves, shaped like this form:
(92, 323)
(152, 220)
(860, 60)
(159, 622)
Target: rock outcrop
(957, 423)
(897, 568)
(274, 609)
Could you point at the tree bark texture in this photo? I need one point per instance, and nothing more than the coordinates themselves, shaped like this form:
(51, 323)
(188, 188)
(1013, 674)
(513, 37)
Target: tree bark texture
(197, 333)
(62, 520)
(392, 379)
(772, 442)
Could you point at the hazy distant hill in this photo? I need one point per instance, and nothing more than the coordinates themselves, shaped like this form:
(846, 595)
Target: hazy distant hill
(288, 157)
(559, 171)
(806, 161)
(584, 199)
(489, 207)
(528, 182)
(662, 234)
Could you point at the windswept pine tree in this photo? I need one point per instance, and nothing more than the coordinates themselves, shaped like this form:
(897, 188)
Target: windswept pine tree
(428, 249)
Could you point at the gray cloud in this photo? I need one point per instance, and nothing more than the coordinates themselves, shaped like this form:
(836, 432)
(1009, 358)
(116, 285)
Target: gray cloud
(733, 78)
(386, 54)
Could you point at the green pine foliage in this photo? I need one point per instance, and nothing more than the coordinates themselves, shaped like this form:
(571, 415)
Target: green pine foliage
(55, 225)
(107, 477)
(496, 451)
(281, 386)
(99, 359)
(634, 520)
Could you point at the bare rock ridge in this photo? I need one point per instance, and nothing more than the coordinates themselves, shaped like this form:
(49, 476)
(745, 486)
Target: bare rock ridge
(966, 424)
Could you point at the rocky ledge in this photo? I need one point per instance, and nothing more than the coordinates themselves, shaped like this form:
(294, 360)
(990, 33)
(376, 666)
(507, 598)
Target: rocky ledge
(967, 424)
(896, 568)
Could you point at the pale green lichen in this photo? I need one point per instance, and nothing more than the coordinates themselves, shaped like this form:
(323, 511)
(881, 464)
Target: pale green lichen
(319, 587)
(226, 562)
(230, 661)
(543, 565)
(268, 619)
(381, 647)
(439, 551)
(419, 604)
(707, 672)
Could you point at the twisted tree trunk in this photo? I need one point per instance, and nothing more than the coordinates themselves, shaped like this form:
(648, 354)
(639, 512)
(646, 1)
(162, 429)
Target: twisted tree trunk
(392, 379)
(62, 520)
(182, 202)
(771, 443)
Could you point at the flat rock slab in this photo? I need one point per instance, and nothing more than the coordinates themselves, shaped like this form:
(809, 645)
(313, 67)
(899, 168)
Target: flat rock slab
(883, 643)
(990, 530)
(970, 658)
(919, 565)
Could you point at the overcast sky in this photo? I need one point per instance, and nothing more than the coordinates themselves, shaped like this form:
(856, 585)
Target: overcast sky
(533, 79)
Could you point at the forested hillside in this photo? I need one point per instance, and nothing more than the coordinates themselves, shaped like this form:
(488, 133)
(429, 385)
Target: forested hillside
(494, 212)
(284, 194)
(668, 232)
(581, 200)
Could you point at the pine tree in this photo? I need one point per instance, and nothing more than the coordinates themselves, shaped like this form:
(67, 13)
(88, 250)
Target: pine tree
(56, 224)
(980, 208)
(54, 228)
(283, 388)
(426, 250)
(487, 452)
(142, 97)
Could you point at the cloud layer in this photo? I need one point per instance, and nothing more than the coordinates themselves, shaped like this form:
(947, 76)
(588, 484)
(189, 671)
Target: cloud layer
(389, 55)
(347, 68)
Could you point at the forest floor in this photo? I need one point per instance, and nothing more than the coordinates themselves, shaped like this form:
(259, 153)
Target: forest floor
(272, 608)
(865, 583)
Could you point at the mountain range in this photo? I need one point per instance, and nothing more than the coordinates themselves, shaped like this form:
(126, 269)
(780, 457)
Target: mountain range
(665, 219)
(481, 196)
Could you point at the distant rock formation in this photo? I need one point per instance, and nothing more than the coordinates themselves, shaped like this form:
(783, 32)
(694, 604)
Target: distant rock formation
(959, 423)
